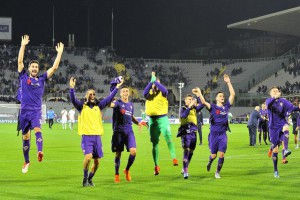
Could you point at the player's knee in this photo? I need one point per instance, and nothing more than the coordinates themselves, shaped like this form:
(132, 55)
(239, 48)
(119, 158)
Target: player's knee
(26, 136)
(213, 156)
(88, 157)
(37, 129)
(133, 151)
(96, 161)
(221, 154)
(285, 128)
(118, 154)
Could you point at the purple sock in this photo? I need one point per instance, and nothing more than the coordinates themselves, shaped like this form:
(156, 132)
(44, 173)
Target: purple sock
(39, 141)
(211, 160)
(85, 173)
(185, 159)
(91, 175)
(190, 156)
(131, 159)
(26, 147)
(283, 157)
(286, 139)
(220, 164)
(275, 160)
(117, 165)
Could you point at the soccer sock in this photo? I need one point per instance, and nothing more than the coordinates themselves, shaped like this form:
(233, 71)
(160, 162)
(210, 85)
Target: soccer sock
(211, 160)
(155, 154)
(85, 173)
(91, 175)
(275, 160)
(283, 157)
(170, 146)
(259, 137)
(131, 159)
(190, 156)
(185, 161)
(39, 141)
(26, 147)
(117, 165)
(286, 139)
(220, 164)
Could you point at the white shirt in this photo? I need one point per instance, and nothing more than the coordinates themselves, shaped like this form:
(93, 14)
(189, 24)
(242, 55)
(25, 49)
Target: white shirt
(72, 114)
(64, 114)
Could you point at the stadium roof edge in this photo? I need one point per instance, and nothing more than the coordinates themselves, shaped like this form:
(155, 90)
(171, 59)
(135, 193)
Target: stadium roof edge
(285, 22)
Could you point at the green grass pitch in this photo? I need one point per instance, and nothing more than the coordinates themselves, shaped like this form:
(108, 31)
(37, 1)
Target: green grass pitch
(247, 171)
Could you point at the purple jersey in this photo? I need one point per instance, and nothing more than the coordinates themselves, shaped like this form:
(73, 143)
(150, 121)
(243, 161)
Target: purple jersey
(31, 91)
(219, 117)
(122, 116)
(278, 111)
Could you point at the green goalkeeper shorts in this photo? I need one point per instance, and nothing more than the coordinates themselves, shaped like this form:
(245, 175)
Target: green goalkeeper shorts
(157, 126)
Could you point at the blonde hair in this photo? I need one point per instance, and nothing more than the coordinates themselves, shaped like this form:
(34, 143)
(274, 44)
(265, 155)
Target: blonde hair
(87, 95)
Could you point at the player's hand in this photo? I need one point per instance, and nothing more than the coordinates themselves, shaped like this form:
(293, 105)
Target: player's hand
(196, 91)
(226, 78)
(119, 84)
(59, 47)
(72, 82)
(25, 40)
(153, 78)
(141, 124)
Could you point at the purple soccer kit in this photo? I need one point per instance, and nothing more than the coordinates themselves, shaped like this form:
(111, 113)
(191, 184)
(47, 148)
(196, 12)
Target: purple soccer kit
(217, 136)
(30, 94)
(122, 132)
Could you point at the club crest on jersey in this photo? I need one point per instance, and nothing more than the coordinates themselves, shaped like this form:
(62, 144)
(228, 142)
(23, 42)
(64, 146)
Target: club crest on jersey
(281, 104)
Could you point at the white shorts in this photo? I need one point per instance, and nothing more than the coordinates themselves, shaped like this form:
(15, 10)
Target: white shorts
(72, 120)
(64, 120)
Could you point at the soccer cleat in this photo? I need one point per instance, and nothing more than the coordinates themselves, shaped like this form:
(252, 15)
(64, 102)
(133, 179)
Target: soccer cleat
(276, 175)
(297, 147)
(175, 162)
(287, 153)
(91, 183)
(285, 161)
(40, 156)
(85, 182)
(185, 175)
(117, 178)
(25, 168)
(208, 166)
(217, 175)
(269, 153)
(156, 170)
(128, 176)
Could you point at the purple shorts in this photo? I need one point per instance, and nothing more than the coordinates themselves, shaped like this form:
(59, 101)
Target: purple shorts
(92, 144)
(276, 136)
(119, 139)
(189, 140)
(29, 119)
(217, 142)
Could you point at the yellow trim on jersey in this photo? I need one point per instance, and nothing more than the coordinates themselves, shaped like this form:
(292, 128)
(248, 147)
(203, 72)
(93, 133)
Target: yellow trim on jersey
(156, 104)
(192, 117)
(90, 121)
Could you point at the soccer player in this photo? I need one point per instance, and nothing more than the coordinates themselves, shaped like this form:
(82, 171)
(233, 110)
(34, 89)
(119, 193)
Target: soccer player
(263, 123)
(50, 117)
(64, 118)
(188, 129)
(71, 116)
(31, 93)
(218, 125)
(157, 109)
(123, 116)
(91, 128)
(278, 111)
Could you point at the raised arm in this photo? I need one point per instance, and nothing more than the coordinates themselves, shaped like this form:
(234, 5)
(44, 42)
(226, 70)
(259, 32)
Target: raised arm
(59, 48)
(147, 90)
(77, 104)
(199, 95)
(24, 42)
(162, 88)
(231, 90)
(107, 100)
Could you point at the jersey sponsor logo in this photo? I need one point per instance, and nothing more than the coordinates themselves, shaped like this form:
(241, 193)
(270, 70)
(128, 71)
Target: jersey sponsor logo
(218, 112)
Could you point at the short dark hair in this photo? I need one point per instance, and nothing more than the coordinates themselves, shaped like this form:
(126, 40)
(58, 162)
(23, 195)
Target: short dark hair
(219, 93)
(188, 95)
(34, 61)
(124, 86)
